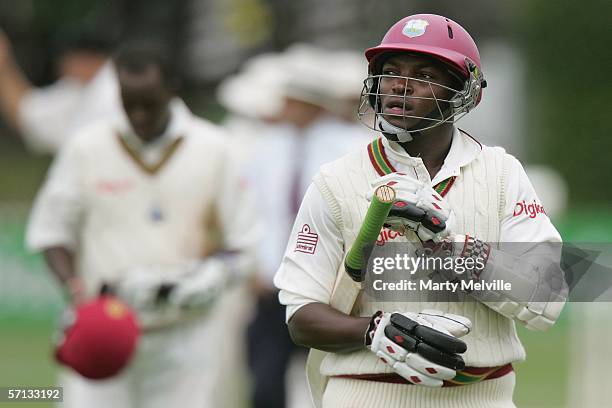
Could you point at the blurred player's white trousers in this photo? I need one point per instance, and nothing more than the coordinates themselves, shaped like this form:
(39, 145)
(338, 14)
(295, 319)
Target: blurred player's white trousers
(349, 393)
(174, 367)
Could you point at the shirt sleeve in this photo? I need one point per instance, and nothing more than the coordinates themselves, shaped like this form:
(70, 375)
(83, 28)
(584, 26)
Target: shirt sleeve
(528, 234)
(59, 206)
(526, 231)
(314, 253)
(44, 114)
(525, 219)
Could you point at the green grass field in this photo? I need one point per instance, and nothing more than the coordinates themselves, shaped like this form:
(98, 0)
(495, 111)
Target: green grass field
(25, 356)
(542, 378)
(25, 337)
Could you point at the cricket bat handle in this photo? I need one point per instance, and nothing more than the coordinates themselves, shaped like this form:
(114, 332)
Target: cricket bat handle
(377, 213)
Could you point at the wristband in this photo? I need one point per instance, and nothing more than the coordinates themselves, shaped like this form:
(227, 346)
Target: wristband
(369, 334)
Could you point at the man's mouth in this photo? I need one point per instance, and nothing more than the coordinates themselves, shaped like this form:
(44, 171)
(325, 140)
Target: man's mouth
(396, 108)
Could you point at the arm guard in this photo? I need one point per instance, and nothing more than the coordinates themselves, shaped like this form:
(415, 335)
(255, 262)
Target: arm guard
(538, 287)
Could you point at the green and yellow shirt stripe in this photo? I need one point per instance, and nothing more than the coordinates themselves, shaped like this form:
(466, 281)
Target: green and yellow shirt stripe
(382, 165)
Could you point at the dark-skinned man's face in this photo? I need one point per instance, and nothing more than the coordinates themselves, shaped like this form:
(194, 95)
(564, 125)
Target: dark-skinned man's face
(410, 89)
(145, 97)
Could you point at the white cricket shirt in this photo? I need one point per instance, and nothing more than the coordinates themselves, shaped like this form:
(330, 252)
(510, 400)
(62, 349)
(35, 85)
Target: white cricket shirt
(307, 277)
(118, 203)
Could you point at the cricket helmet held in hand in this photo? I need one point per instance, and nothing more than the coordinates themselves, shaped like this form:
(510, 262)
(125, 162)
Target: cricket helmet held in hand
(99, 338)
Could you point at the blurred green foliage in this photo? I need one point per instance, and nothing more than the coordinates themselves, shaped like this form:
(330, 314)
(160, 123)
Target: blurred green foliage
(567, 46)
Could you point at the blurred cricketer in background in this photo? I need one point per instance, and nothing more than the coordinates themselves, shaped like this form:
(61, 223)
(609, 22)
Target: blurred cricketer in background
(86, 90)
(291, 118)
(154, 212)
(425, 74)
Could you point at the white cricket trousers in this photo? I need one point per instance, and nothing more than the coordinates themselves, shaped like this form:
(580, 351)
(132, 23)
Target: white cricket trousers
(351, 393)
(173, 367)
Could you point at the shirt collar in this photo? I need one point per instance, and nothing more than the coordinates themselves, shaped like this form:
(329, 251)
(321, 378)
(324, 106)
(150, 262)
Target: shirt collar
(179, 118)
(464, 149)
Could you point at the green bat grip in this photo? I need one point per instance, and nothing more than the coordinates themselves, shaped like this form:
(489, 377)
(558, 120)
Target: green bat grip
(381, 204)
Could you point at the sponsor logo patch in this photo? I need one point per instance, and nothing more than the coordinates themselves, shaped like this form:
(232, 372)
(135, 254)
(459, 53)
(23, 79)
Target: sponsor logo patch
(306, 240)
(530, 210)
(387, 235)
(114, 186)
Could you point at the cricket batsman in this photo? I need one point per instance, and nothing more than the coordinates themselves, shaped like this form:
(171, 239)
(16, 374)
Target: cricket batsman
(155, 214)
(450, 194)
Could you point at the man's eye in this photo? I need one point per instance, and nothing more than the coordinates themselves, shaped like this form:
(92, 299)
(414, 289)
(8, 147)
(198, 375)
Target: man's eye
(390, 72)
(425, 75)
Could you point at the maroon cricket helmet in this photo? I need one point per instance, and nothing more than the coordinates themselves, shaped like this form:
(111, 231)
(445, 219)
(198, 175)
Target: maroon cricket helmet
(100, 339)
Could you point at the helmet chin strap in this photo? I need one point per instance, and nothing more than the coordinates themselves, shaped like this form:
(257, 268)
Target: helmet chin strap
(401, 135)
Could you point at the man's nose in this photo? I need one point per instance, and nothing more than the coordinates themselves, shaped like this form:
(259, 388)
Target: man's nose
(402, 85)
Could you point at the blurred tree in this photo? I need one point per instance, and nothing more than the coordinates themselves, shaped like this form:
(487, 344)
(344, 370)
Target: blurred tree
(250, 20)
(567, 45)
(361, 23)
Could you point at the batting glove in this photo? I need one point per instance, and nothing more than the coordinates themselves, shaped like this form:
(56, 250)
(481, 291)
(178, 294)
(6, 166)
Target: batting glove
(423, 348)
(417, 207)
(201, 286)
(186, 285)
(140, 285)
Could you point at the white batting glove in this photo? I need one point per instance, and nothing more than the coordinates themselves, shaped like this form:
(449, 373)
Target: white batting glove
(186, 285)
(417, 207)
(140, 285)
(423, 348)
(201, 286)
